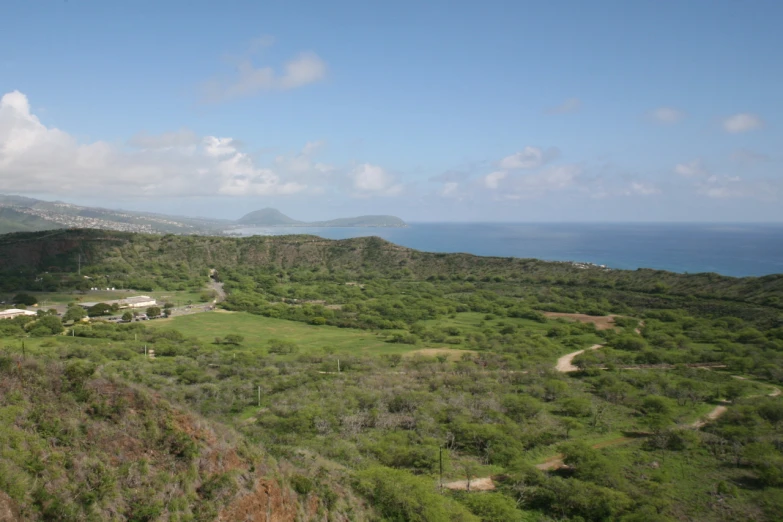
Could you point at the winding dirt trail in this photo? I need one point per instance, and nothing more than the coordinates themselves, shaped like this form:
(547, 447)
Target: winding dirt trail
(556, 461)
(716, 412)
(565, 363)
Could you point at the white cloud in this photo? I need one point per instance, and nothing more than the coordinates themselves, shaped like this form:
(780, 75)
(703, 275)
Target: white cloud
(450, 176)
(180, 138)
(691, 169)
(248, 80)
(643, 189)
(552, 178)
(304, 69)
(666, 115)
(742, 122)
(722, 187)
(37, 159)
(449, 189)
(373, 180)
(217, 147)
(568, 106)
(311, 147)
(749, 156)
(493, 179)
(529, 158)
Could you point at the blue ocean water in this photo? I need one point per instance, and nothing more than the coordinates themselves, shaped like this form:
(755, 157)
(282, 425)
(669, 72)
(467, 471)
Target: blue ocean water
(735, 250)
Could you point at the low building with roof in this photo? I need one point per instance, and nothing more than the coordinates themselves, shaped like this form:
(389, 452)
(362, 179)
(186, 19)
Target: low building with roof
(138, 301)
(15, 312)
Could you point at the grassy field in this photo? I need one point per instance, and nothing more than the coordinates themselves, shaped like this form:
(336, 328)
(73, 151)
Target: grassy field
(258, 330)
(475, 322)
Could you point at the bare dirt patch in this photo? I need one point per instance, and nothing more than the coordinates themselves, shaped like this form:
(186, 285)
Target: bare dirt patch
(601, 322)
(565, 363)
(479, 484)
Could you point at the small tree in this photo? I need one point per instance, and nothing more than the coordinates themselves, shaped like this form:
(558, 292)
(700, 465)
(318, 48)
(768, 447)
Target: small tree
(233, 339)
(470, 469)
(99, 310)
(74, 313)
(153, 311)
(25, 299)
(47, 325)
(127, 317)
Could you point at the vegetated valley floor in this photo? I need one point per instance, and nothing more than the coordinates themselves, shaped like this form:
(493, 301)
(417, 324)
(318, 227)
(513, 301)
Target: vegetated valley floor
(340, 377)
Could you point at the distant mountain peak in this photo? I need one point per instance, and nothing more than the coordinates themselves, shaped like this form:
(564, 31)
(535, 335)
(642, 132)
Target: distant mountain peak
(267, 216)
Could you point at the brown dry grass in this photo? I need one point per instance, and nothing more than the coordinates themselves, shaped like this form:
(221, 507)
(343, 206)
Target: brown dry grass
(601, 322)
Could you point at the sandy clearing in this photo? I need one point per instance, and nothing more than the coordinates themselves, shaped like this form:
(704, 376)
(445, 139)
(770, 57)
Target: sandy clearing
(601, 322)
(565, 363)
(478, 484)
(775, 392)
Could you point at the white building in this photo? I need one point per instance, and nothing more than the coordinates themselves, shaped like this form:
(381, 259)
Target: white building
(139, 301)
(14, 312)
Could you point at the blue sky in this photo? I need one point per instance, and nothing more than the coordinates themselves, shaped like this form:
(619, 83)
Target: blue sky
(433, 111)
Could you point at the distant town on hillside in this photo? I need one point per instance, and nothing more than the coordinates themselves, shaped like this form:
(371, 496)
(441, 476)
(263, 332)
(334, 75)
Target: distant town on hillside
(22, 214)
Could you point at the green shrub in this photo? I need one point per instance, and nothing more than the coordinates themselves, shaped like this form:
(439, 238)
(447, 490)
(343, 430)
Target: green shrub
(301, 484)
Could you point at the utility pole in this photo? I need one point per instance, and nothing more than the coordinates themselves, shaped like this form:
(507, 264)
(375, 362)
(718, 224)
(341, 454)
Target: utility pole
(259, 396)
(440, 465)
(338, 365)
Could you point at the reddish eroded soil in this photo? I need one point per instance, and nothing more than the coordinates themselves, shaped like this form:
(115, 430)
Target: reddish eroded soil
(601, 322)
(9, 510)
(266, 502)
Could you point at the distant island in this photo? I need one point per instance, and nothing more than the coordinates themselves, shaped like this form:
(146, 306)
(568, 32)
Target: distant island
(270, 217)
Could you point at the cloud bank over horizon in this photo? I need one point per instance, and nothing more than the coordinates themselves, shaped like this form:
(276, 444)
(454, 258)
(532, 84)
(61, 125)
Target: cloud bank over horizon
(39, 159)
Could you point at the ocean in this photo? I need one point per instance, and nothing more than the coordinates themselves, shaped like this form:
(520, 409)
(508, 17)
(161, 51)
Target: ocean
(728, 249)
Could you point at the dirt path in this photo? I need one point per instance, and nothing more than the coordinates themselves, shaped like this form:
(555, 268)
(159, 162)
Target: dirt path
(716, 412)
(565, 363)
(219, 292)
(638, 329)
(477, 484)
(556, 461)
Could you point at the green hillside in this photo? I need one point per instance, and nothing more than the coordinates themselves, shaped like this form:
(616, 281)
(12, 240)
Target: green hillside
(14, 221)
(76, 445)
